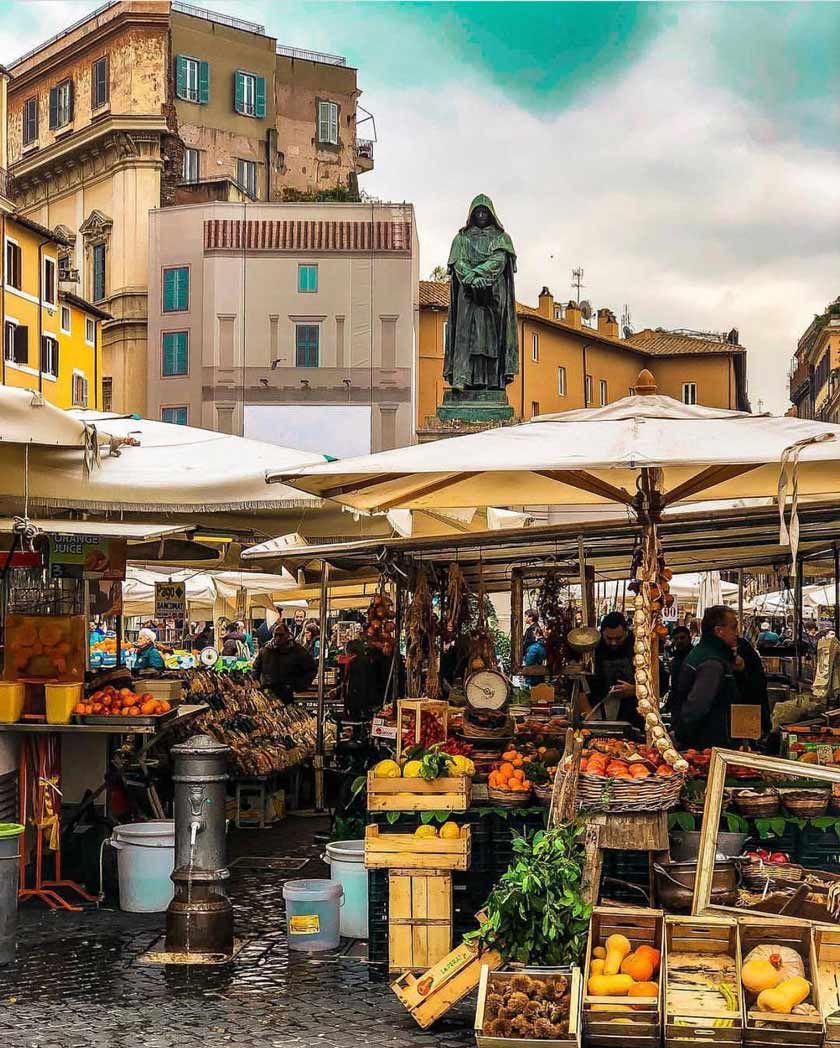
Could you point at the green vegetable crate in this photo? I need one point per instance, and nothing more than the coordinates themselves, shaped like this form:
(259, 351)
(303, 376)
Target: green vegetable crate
(606, 1021)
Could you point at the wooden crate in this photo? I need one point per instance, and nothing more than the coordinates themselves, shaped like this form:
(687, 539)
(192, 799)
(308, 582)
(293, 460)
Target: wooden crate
(410, 716)
(407, 852)
(449, 793)
(489, 980)
(419, 919)
(705, 936)
(640, 926)
(766, 1029)
(827, 952)
(429, 996)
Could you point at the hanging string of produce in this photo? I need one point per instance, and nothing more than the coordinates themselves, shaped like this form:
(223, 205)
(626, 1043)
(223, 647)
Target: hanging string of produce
(558, 618)
(421, 625)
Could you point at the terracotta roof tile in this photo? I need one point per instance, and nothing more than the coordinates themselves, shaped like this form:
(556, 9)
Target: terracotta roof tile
(434, 293)
(664, 343)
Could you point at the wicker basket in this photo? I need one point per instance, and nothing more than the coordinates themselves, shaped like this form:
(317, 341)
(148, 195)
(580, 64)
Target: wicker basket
(806, 804)
(509, 798)
(755, 804)
(543, 794)
(655, 793)
(758, 874)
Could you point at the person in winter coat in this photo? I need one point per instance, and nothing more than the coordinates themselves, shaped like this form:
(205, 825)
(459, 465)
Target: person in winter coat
(148, 657)
(707, 687)
(283, 666)
(613, 686)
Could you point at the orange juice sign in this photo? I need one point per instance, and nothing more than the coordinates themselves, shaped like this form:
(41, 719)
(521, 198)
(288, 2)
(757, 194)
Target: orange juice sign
(86, 557)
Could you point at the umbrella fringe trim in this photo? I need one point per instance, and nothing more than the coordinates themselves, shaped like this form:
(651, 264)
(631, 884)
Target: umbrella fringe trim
(176, 507)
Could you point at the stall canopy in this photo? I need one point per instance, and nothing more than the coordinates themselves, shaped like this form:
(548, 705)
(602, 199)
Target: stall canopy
(209, 593)
(26, 418)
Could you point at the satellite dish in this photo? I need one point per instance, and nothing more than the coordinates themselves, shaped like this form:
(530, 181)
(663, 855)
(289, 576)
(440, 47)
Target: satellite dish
(487, 690)
(586, 310)
(628, 331)
(208, 657)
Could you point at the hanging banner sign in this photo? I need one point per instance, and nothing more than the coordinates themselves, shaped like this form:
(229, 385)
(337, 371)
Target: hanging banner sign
(86, 557)
(171, 602)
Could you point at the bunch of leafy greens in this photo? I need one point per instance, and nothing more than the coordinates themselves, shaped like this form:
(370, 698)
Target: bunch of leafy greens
(434, 762)
(536, 914)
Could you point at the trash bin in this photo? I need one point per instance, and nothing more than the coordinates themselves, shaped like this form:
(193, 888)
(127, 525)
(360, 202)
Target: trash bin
(10, 834)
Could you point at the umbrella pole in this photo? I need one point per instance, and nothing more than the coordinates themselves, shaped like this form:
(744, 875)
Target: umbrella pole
(837, 590)
(322, 650)
(740, 600)
(797, 616)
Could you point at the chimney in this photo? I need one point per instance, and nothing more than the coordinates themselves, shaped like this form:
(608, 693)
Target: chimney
(573, 314)
(546, 304)
(607, 324)
(733, 337)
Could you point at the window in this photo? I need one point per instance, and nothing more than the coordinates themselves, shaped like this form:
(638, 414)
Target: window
(561, 381)
(176, 416)
(689, 392)
(246, 176)
(535, 408)
(64, 266)
(49, 355)
(192, 79)
(66, 328)
(98, 272)
(175, 353)
(307, 278)
(249, 94)
(602, 391)
(30, 121)
(80, 390)
(176, 289)
(328, 123)
(16, 343)
(535, 348)
(49, 281)
(191, 165)
(90, 331)
(587, 389)
(107, 393)
(13, 264)
(61, 104)
(99, 87)
(306, 345)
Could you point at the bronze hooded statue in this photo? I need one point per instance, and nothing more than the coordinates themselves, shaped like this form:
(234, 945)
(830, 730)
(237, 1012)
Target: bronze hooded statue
(481, 351)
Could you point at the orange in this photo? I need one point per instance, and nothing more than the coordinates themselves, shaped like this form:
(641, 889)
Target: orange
(133, 711)
(518, 774)
(506, 770)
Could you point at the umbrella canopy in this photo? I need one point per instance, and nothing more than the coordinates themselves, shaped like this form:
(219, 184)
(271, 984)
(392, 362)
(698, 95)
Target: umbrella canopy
(592, 455)
(689, 586)
(26, 418)
(205, 589)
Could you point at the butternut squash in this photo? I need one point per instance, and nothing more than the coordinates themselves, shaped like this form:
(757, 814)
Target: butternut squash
(637, 965)
(618, 946)
(612, 985)
(596, 966)
(600, 952)
(784, 997)
(653, 953)
(760, 974)
(611, 1008)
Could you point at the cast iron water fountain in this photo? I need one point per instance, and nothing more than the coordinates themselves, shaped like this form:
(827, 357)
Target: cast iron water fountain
(199, 921)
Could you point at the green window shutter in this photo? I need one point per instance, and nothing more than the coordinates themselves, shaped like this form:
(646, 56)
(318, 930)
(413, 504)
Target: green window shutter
(175, 353)
(183, 288)
(323, 121)
(182, 353)
(180, 76)
(203, 82)
(168, 290)
(239, 92)
(260, 100)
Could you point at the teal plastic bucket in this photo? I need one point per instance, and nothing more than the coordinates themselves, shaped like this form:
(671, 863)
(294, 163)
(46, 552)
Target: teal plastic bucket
(347, 867)
(312, 914)
(145, 864)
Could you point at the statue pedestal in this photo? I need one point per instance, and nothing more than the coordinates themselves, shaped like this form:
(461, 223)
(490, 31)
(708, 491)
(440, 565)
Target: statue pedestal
(474, 405)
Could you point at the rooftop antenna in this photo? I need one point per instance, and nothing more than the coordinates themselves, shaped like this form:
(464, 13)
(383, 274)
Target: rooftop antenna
(577, 281)
(626, 322)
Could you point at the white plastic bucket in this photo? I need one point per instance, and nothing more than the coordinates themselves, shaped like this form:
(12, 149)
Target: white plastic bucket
(145, 863)
(312, 914)
(347, 867)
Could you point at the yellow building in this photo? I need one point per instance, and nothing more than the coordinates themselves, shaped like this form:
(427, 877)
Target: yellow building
(815, 372)
(566, 363)
(52, 340)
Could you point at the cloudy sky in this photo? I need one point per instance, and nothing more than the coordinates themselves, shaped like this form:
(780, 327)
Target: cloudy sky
(685, 155)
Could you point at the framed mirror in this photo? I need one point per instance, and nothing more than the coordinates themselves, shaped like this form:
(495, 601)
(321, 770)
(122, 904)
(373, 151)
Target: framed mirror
(775, 883)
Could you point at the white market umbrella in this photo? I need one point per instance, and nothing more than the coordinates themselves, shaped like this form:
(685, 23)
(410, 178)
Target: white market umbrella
(689, 586)
(710, 592)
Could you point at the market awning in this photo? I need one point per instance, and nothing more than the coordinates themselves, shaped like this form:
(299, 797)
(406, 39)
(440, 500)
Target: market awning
(27, 419)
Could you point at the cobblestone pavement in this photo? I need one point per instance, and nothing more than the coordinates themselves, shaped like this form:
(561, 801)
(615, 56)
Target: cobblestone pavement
(78, 982)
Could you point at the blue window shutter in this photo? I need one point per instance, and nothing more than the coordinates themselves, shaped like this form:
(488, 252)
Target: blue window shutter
(168, 290)
(260, 96)
(180, 76)
(167, 354)
(238, 92)
(183, 292)
(203, 82)
(182, 353)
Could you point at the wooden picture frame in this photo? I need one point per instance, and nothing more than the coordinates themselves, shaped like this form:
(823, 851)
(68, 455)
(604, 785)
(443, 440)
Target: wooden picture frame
(720, 761)
(519, 580)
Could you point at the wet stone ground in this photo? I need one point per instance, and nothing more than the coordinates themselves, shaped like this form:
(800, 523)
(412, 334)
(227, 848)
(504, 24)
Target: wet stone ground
(78, 982)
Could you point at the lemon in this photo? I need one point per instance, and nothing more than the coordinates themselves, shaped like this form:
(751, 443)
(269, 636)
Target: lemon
(425, 832)
(450, 831)
(411, 770)
(462, 766)
(387, 770)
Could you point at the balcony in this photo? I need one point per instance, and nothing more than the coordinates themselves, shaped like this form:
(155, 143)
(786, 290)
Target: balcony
(799, 377)
(364, 154)
(310, 56)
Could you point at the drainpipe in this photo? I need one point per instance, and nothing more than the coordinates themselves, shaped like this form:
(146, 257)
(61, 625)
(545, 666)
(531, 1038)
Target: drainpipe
(523, 358)
(583, 354)
(96, 336)
(41, 309)
(3, 296)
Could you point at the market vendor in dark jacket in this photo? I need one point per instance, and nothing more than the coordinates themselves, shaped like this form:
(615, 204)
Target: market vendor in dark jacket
(283, 666)
(707, 688)
(613, 685)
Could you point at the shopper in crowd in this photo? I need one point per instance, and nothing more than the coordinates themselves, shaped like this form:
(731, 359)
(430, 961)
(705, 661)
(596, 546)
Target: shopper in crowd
(536, 655)
(283, 666)
(263, 634)
(752, 680)
(298, 623)
(613, 689)
(97, 632)
(235, 642)
(153, 626)
(202, 636)
(249, 637)
(364, 673)
(707, 688)
(312, 638)
(767, 635)
(148, 657)
(532, 624)
(679, 646)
